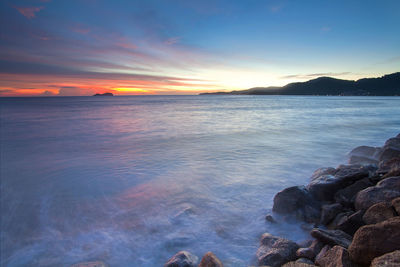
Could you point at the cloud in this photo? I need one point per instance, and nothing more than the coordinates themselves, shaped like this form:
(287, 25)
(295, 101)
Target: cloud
(314, 75)
(48, 93)
(29, 12)
(80, 29)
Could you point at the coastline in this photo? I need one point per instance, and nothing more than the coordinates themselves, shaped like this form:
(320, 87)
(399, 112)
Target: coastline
(355, 210)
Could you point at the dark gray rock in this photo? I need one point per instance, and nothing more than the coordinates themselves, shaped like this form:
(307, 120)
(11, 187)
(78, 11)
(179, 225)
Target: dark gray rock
(347, 195)
(325, 186)
(275, 251)
(210, 260)
(351, 222)
(269, 218)
(332, 237)
(299, 202)
(316, 246)
(339, 219)
(182, 259)
(329, 212)
(379, 212)
(388, 259)
(374, 240)
(305, 253)
(336, 257)
(385, 190)
(386, 167)
(389, 153)
(323, 171)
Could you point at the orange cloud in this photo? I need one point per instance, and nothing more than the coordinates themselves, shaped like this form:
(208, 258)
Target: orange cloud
(29, 12)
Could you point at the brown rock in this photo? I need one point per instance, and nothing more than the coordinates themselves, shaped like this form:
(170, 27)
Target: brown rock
(329, 212)
(396, 205)
(182, 259)
(332, 237)
(374, 240)
(90, 264)
(210, 260)
(336, 257)
(350, 224)
(347, 195)
(385, 190)
(378, 213)
(305, 253)
(298, 264)
(388, 259)
(275, 251)
(321, 254)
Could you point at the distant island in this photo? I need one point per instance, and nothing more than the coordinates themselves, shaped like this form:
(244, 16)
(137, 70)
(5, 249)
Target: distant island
(105, 94)
(387, 85)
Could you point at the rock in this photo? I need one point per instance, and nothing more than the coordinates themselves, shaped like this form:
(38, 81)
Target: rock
(388, 259)
(305, 253)
(182, 259)
(210, 260)
(389, 153)
(332, 237)
(396, 205)
(298, 201)
(90, 264)
(385, 190)
(374, 240)
(336, 257)
(298, 264)
(321, 254)
(329, 212)
(393, 143)
(378, 213)
(325, 186)
(388, 166)
(347, 195)
(350, 223)
(270, 219)
(275, 251)
(306, 261)
(322, 171)
(365, 151)
(316, 247)
(339, 219)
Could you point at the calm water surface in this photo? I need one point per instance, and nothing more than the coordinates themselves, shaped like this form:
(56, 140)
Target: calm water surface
(133, 180)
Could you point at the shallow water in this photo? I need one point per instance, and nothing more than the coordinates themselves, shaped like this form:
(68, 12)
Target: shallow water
(133, 180)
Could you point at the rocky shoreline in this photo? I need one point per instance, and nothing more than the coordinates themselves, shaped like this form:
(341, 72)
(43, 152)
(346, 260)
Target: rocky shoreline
(354, 208)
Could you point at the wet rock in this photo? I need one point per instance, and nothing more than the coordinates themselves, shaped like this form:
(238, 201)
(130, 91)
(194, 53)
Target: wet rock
(374, 240)
(350, 224)
(329, 212)
(364, 155)
(325, 186)
(347, 195)
(385, 190)
(378, 213)
(393, 143)
(182, 259)
(298, 201)
(332, 237)
(336, 257)
(316, 247)
(322, 171)
(270, 219)
(321, 254)
(306, 261)
(298, 264)
(389, 153)
(90, 264)
(210, 260)
(396, 205)
(275, 251)
(339, 219)
(386, 167)
(305, 253)
(388, 259)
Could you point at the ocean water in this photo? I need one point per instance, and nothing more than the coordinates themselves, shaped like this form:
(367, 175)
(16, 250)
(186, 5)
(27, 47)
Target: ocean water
(133, 180)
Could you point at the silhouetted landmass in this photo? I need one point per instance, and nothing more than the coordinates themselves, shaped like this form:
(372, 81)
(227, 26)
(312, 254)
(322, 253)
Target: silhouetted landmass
(387, 85)
(105, 94)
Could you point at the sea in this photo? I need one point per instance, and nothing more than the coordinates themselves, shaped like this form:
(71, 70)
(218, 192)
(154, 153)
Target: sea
(132, 180)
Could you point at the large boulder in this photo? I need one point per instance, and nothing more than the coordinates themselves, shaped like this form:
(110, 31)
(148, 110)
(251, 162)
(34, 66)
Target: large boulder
(378, 213)
(182, 259)
(364, 155)
(298, 201)
(347, 195)
(325, 186)
(332, 237)
(210, 260)
(374, 240)
(385, 190)
(336, 257)
(389, 259)
(275, 251)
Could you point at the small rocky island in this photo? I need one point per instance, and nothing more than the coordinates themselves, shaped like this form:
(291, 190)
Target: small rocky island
(353, 211)
(105, 94)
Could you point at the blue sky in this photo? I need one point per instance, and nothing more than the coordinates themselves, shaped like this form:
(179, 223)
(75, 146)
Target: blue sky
(77, 47)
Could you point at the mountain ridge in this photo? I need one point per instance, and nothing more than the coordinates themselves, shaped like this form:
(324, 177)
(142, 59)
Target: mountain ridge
(386, 85)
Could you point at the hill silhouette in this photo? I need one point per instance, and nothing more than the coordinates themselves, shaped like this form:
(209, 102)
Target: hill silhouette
(387, 85)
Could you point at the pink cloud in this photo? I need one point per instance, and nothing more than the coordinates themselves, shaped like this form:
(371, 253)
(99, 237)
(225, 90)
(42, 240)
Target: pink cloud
(172, 40)
(80, 29)
(29, 12)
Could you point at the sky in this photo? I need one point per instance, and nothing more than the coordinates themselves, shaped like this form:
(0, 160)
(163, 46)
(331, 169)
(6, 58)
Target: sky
(82, 47)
